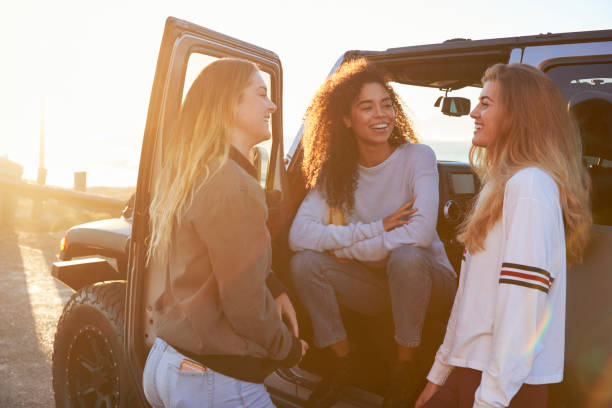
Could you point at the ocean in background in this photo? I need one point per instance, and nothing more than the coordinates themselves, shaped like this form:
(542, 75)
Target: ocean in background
(119, 168)
(453, 151)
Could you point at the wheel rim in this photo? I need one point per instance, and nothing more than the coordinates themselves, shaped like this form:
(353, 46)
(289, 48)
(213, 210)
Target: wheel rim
(92, 375)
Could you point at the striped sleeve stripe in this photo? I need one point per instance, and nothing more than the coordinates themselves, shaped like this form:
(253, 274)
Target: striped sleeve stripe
(525, 284)
(528, 269)
(525, 276)
(518, 267)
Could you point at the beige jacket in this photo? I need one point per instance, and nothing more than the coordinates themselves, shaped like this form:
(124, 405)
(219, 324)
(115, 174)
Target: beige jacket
(216, 301)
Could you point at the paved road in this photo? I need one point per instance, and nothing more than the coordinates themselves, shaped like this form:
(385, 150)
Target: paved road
(31, 302)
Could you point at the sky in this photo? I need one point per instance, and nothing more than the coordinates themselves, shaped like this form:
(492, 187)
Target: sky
(87, 67)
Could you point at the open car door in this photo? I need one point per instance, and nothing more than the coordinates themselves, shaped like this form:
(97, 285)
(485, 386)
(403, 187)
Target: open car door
(185, 50)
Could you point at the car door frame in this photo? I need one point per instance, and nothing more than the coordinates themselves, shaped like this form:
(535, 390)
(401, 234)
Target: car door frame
(588, 278)
(180, 39)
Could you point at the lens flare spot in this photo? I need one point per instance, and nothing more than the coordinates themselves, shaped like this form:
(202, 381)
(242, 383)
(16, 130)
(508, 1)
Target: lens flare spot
(537, 336)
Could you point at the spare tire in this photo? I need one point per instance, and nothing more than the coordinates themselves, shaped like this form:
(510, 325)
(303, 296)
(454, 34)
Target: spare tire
(89, 364)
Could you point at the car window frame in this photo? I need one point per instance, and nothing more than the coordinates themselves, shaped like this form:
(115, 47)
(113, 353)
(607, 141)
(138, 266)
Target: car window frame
(179, 41)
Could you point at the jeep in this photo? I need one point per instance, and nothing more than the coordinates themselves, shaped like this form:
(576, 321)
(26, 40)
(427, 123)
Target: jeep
(107, 328)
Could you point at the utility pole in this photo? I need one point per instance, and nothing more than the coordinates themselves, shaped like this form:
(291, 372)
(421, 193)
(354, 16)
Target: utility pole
(42, 172)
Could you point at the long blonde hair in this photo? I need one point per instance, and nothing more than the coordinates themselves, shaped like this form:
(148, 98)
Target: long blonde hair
(539, 132)
(199, 143)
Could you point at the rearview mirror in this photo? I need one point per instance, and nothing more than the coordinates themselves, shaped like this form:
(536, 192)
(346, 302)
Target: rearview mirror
(454, 105)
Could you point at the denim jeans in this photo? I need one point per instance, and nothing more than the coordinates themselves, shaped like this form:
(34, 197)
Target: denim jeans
(412, 281)
(166, 386)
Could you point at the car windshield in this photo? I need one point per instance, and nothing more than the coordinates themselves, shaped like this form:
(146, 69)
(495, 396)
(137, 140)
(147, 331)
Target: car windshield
(449, 136)
(574, 79)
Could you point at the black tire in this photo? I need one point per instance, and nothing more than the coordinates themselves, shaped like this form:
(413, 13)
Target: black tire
(89, 364)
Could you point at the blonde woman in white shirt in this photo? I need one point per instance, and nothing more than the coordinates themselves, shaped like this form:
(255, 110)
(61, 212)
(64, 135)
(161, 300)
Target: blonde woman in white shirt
(505, 338)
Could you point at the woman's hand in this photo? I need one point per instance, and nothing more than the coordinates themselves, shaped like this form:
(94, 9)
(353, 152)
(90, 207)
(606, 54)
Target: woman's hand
(397, 218)
(339, 260)
(286, 310)
(428, 392)
(304, 347)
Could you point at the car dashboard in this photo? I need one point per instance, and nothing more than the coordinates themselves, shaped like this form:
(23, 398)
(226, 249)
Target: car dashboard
(457, 188)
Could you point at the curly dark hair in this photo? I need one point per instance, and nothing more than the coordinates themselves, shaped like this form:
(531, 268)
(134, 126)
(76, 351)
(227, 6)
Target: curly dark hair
(330, 148)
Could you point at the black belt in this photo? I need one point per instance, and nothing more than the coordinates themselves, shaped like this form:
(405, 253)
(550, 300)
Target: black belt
(244, 368)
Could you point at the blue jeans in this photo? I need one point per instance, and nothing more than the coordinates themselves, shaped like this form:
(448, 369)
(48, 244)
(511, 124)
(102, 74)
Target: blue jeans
(166, 386)
(412, 281)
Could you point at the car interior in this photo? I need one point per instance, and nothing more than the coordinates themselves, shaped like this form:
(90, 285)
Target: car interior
(372, 338)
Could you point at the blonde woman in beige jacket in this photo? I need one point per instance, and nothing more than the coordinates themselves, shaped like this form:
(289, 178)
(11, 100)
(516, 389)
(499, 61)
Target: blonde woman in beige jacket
(219, 318)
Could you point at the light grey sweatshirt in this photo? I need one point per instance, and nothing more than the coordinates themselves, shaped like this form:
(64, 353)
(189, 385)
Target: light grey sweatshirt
(410, 171)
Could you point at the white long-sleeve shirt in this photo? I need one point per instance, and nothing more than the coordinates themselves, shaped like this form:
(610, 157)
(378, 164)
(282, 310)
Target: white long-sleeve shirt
(508, 318)
(409, 172)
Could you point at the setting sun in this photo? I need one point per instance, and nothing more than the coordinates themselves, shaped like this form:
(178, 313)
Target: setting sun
(92, 68)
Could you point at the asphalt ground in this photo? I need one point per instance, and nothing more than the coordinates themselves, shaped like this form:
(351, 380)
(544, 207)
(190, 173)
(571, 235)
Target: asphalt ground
(31, 302)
